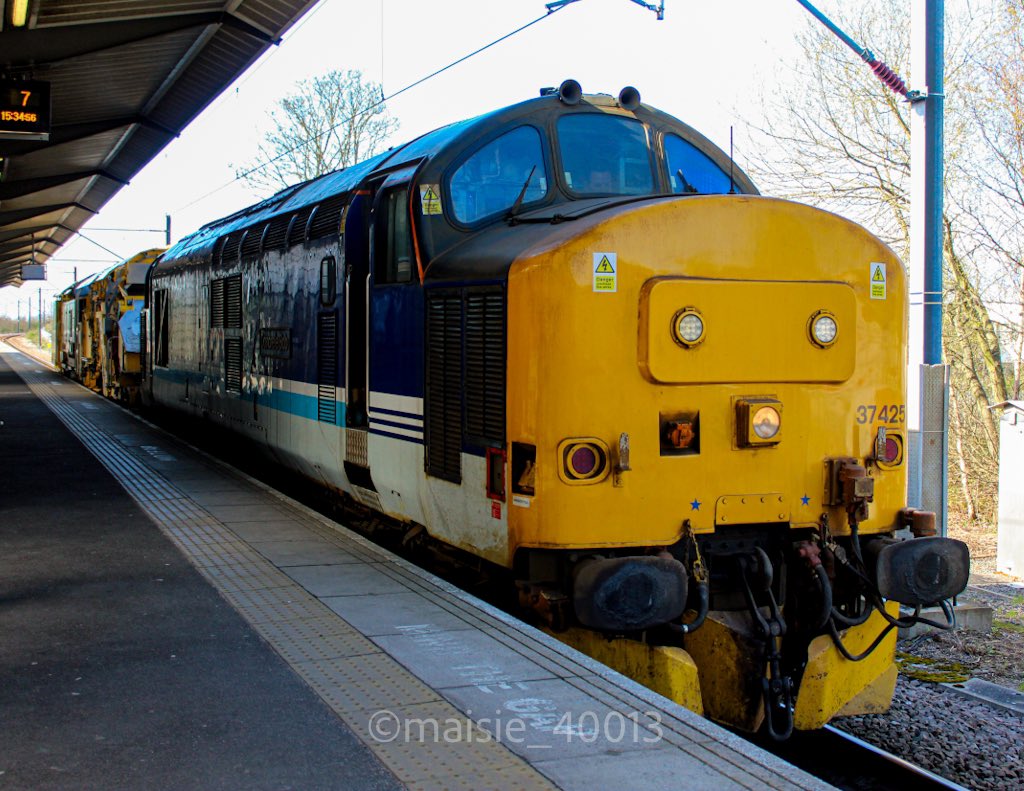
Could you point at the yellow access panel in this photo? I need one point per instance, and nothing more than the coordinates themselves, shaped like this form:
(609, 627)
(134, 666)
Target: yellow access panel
(768, 321)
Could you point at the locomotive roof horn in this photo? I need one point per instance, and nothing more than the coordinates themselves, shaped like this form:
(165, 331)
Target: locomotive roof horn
(629, 98)
(570, 92)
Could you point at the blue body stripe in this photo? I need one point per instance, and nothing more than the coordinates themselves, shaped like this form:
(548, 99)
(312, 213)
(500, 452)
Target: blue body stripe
(374, 421)
(378, 410)
(289, 403)
(396, 436)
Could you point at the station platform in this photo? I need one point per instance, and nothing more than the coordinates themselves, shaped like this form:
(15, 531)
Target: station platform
(169, 622)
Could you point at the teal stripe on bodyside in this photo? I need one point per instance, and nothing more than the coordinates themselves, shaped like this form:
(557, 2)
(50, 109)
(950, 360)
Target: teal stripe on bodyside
(297, 404)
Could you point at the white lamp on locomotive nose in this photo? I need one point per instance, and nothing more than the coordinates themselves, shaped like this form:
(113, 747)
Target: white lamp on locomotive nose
(823, 329)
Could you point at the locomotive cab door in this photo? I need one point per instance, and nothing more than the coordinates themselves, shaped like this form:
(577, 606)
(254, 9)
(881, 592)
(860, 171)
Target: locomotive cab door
(355, 277)
(383, 340)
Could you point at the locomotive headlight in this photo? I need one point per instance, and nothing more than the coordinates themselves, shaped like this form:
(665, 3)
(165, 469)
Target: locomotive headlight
(758, 422)
(823, 329)
(766, 422)
(688, 327)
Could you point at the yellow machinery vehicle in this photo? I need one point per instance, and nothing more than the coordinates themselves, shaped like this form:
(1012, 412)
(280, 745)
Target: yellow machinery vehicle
(99, 329)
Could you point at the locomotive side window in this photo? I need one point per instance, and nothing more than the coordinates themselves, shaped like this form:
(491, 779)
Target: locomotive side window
(328, 280)
(161, 343)
(394, 260)
(491, 180)
(690, 170)
(604, 155)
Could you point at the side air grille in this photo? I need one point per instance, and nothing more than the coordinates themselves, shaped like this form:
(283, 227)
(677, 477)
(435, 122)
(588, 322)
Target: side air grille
(327, 220)
(233, 301)
(233, 365)
(485, 366)
(443, 428)
(229, 252)
(327, 367)
(278, 233)
(297, 234)
(251, 243)
(217, 302)
(218, 248)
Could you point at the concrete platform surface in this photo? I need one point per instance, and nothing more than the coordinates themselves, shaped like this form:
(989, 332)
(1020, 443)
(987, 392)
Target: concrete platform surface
(424, 684)
(120, 666)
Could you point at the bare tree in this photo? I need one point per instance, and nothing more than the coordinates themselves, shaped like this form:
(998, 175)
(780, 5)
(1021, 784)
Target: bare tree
(329, 122)
(994, 211)
(840, 140)
(836, 137)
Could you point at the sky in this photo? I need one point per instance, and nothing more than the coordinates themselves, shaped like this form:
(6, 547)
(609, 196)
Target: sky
(709, 64)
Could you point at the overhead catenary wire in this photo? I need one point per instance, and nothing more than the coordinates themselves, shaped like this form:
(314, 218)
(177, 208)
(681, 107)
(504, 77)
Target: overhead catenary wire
(373, 106)
(130, 230)
(118, 256)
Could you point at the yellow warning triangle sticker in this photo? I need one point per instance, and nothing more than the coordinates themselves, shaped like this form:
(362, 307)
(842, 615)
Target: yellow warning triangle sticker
(878, 276)
(430, 195)
(605, 267)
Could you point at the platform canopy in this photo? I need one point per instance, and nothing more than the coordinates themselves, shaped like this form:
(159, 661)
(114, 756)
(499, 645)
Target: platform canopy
(125, 77)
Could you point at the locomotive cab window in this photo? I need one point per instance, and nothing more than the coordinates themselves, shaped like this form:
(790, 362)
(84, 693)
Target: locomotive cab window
(394, 255)
(691, 171)
(491, 180)
(604, 155)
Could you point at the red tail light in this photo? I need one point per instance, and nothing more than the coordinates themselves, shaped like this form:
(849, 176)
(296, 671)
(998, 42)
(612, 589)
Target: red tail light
(583, 460)
(892, 454)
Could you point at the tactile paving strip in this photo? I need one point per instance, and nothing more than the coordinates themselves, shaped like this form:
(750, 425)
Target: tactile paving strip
(348, 671)
(367, 683)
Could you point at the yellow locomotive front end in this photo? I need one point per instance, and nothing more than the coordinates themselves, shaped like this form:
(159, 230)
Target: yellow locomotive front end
(706, 409)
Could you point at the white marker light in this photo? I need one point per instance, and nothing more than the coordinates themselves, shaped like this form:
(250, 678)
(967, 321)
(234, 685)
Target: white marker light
(824, 329)
(688, 327)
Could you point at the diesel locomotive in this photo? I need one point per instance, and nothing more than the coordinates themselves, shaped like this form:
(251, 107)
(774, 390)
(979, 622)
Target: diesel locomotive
(570, 338)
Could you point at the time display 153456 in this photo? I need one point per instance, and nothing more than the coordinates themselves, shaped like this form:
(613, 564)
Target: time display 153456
(24, 107)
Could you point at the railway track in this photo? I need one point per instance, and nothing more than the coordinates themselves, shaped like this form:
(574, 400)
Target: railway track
(853, 764)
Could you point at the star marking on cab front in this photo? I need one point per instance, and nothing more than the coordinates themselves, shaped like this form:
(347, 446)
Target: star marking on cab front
(805, 500)
(695, 505)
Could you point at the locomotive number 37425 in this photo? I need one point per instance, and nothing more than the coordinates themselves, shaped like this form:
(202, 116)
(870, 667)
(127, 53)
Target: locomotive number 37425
(882, 413)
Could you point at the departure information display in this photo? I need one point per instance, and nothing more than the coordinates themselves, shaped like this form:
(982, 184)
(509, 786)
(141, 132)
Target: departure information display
(24, 109)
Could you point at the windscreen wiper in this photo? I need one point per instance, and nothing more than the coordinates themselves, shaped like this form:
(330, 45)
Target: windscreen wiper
(519, 200)
(688, 188)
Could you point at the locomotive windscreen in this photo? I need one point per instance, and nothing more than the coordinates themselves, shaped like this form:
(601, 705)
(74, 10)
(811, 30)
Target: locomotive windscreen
(605, 155)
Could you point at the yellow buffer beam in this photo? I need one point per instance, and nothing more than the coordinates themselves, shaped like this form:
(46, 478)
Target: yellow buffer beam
(666, 670)
(833, 685)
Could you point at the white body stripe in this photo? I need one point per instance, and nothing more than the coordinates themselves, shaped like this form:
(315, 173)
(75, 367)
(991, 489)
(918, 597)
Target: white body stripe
(396, 403)
(415, 422)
